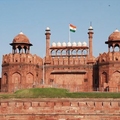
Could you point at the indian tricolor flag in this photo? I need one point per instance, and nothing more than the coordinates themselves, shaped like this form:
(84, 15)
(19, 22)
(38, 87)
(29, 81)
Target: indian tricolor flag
(72, 28)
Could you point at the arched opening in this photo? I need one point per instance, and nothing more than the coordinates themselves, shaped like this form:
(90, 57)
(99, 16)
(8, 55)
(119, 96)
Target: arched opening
(53, 52)
(79, 52)
(19, 49)
(111, 48)
(63, 52)
(84, 52)
(25, 49)
(14, 50)
(74, 52)
(116, 48)
(58, 52)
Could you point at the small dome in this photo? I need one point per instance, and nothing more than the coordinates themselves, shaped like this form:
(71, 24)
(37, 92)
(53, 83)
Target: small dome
(74, 44)
(79, 44)
(53, 44)
(21, 38)
(58, 44)
(64, 44)
(84, 44)
(69, 44)
(90, 27)
(114, 36)
(47, 28)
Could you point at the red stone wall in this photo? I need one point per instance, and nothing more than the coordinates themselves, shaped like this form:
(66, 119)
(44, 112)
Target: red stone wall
(20, 71)
(109, 74)
(60, 109)
(73, 73)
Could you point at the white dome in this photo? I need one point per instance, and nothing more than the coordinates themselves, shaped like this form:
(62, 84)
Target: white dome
(21, 33)
(116, 30)
(69, 44)
(64, 44)
(79, 44)
(53, 44)
(47, 28)
(90, 27)
(58, 44)
(74, 44)
(84, 44)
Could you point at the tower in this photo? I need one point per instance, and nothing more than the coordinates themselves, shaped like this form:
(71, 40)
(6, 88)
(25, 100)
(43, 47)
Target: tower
(109, 64)
(90, 36)
(20, 69)
(47, 42)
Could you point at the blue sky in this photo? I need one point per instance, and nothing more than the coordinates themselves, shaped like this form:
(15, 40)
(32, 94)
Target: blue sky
(33, 16)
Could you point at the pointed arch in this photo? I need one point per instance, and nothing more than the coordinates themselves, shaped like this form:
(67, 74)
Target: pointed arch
(104, 78)
(5, 78)
(29, 78)
(116, 71)
(115, 78)
(16, 78)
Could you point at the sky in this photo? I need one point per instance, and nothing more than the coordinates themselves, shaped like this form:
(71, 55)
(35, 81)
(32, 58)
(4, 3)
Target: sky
(32, 17)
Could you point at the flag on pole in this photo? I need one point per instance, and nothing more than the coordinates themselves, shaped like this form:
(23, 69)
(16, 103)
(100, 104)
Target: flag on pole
(72, 28)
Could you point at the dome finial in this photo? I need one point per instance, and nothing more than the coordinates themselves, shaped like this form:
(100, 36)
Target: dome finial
(47, 29)
(21, 32)
(90, 23)
(90, 28)
(116, 30)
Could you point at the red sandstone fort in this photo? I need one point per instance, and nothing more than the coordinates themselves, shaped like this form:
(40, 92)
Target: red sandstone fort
(65, 65)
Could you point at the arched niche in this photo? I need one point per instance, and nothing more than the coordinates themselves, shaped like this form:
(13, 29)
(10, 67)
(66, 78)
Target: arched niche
(29, 78)
(104, 78)
(16, 78)
(5, 78)
(116, 78)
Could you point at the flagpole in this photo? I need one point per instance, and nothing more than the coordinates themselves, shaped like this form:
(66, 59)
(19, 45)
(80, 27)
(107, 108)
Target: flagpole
(69, 34)
(69, 40)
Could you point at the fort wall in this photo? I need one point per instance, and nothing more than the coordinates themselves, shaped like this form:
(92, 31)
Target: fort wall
(25, 58)
(60, 109)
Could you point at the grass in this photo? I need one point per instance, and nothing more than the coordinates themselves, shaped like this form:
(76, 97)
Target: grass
(41, 93)
(57, 93)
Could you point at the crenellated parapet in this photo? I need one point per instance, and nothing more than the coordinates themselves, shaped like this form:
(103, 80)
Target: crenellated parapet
(109, 57)
(21, 58)
(69, 61)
